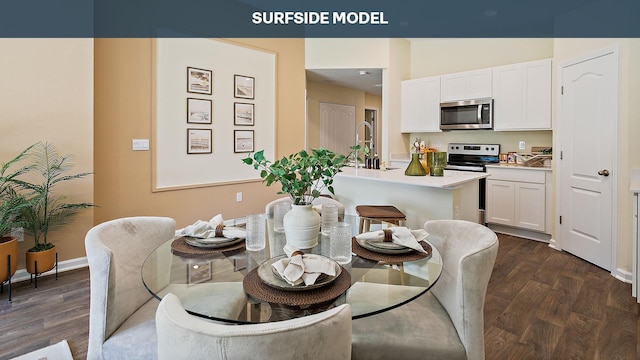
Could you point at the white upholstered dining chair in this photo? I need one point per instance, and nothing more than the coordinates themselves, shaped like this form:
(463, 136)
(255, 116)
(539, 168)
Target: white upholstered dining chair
(326, 335)
(447, 322)
(122, 311)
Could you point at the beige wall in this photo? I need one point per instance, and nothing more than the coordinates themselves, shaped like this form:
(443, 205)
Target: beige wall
(431, 57)
(123, 97)
(46, 94)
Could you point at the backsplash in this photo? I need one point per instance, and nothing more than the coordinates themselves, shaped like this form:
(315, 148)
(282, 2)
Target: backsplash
(508, 140)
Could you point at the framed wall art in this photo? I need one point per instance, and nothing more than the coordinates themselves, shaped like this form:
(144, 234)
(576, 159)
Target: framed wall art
(198, 111)
(243, 114)
(198, 272)
(244, 86)
(199, 141)
(199, 81)
(243, 141)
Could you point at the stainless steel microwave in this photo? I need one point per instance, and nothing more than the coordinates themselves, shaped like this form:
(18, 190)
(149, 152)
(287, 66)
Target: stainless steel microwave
(467, 114)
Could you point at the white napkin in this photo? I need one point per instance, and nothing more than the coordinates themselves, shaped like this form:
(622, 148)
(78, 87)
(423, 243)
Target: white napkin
(207, 230)
(399, 235)
(303, 268)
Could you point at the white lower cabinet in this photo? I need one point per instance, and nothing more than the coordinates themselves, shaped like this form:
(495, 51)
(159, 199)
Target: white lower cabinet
(517, 198)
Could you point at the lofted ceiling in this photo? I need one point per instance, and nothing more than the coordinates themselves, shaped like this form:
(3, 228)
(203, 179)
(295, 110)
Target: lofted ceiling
(367, 80)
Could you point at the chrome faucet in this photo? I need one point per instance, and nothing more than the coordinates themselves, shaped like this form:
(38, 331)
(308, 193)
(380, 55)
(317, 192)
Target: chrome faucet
(358, 141)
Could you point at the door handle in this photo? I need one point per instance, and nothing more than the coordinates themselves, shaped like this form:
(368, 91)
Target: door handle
(604, 172)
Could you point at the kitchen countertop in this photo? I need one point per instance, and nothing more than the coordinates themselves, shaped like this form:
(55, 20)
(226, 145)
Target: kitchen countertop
(450, 180)
(519, 167)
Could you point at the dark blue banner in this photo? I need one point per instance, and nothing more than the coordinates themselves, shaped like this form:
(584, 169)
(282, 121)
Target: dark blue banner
(314, 18)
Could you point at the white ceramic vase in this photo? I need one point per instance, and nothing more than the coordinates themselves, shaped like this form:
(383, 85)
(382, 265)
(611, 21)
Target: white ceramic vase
(301, 226)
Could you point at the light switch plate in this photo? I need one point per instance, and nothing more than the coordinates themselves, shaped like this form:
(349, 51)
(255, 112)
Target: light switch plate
(140, 144)
(521, 145)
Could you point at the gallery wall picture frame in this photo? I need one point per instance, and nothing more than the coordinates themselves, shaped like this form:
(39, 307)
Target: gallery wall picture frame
(199, 141)
(244, 114)
(198, 272)
(244, 86)
(243, 141)
(199, 111)
(199, 81)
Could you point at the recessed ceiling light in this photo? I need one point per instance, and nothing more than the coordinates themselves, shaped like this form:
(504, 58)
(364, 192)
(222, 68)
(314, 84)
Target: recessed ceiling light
(362, 72)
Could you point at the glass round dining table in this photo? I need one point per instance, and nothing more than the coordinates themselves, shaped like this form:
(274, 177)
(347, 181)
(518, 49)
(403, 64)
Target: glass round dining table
(221, 285)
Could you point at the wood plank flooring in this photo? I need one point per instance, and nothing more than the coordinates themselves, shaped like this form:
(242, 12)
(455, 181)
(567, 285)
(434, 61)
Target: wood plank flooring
(541, 304)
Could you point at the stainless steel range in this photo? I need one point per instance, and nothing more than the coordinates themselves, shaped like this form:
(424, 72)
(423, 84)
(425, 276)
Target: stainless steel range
(474, 157)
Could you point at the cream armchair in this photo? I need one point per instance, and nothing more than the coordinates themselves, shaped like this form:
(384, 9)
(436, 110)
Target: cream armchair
(447, 322)
(122, 311)
(326, 335)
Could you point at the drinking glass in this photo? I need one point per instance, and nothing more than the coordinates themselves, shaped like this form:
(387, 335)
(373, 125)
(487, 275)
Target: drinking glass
(279, 210)
(340, 243)
(256, 226)
(329, 216)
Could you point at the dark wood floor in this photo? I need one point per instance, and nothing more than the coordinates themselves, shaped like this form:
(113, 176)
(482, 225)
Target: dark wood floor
(541, 304)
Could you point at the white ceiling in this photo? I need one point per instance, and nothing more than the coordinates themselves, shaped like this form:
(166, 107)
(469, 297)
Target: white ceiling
(370, 82)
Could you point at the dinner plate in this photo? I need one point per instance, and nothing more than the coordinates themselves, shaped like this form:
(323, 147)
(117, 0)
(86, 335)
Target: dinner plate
(212, 243)
(366, 244)
(271, 278)
(385, 245)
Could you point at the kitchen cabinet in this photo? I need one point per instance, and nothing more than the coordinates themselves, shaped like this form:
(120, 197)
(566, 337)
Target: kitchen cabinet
(473, 84)
(420, 105)
(518, 198)
(522, 96)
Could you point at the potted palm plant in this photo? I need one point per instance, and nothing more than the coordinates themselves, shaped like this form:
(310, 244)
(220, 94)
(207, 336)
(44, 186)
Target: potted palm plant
(47, 210)
(303, 176)
(11, 204)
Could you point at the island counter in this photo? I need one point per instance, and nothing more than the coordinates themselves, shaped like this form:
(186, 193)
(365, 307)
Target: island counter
(420, 198)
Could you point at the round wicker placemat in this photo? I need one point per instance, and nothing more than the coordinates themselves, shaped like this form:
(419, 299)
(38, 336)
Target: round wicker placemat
(181, 248)
(261, 291)
(372, 255)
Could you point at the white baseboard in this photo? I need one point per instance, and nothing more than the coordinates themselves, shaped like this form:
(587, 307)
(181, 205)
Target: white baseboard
(66, 265)
(623, 275)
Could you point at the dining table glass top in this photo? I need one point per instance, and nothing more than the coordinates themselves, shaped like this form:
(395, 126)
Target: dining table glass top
(223, 285)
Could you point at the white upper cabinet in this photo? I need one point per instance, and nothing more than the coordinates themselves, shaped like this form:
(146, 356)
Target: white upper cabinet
(420, 105)
(466, 85)
(522, 96)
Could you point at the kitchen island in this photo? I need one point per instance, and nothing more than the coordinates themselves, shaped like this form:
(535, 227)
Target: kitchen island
(420, 198)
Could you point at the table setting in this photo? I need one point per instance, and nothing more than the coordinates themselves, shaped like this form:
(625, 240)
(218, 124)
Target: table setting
(393, 244)
(297, 279)
(206, 237)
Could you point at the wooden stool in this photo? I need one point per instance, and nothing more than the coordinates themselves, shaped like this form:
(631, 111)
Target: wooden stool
(374, 214)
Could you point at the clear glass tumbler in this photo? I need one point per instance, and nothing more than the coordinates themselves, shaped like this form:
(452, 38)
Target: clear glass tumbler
(329, 216)
(340, 243)
(256, 237)
(279, 210)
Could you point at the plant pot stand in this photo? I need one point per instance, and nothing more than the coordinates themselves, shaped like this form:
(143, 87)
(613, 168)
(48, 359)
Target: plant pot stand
(34, 272)
(8, 250)
(8, 280)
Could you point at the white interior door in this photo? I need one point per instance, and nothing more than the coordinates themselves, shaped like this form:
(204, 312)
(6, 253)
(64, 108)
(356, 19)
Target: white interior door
(337, 127)
(588, 129)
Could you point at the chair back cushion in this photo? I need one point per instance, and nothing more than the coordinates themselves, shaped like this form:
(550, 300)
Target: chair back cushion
(468, 253)
(326, 335)
(116, 250)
